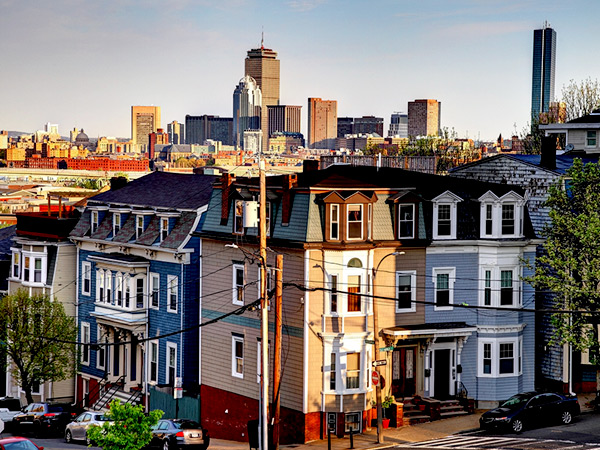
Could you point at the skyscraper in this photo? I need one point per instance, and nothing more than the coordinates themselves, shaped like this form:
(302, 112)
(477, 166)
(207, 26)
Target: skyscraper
(424, 117)
(200, 128)
(262, 65)
(247, 101)
(398, 125)
(322, 123)
(176, 132)
(544, 61)
(284, 118)
(144, 120)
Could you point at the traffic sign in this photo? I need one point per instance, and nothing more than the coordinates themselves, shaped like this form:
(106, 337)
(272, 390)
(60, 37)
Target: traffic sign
(386, 349)
(375, 378)
(369, 341)
(379, 362)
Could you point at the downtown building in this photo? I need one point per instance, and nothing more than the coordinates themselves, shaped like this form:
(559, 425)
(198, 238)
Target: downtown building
(424, 118)
(322, 123)
(144, 120)
(199, 129)
(543, 72)
(247, 101)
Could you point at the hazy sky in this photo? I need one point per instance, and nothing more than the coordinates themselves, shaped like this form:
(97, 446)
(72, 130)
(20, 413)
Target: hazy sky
(83, 63)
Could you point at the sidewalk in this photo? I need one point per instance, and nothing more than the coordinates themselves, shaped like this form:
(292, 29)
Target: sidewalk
(414, 433)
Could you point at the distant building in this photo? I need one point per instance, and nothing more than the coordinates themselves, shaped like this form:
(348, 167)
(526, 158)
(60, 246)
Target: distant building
(73, 134)
(176, 132)
(424, 117)
(322, 123)
(252, 141)
(285, 142)
(284, 118)
(3, 140)
(200, 128)
(158, 137)
(359, 125)
(557, 113)
(247, 101)
(344, 126)
(544, 62)
(398, 125)
(144, 120)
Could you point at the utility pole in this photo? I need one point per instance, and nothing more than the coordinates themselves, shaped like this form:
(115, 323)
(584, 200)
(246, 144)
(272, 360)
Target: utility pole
(264, 306)
(277, 356)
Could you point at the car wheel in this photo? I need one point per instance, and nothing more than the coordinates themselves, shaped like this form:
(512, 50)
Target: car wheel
(517, 425)
(68, 437)
(566, 417)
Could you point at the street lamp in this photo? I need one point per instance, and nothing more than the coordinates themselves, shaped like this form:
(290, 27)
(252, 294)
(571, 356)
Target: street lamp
(376, 332)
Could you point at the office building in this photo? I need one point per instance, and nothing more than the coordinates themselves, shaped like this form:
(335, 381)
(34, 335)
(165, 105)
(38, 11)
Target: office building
(322, 123)
(398, 125)
(284, 119)
(144, 120)
(247, 101)
(344, 126)
(544, 61)
(252, 141)
(368, 125)
(156, 138)
(200, 128)
(424, 118)
(262, 65)
(176, 132)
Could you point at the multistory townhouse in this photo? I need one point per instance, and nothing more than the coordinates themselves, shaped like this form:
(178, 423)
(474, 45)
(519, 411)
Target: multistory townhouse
(137, 289)
(415, 242)
(43, 261)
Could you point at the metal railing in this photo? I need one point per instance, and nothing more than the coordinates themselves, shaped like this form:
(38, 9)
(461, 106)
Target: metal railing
(109, 393)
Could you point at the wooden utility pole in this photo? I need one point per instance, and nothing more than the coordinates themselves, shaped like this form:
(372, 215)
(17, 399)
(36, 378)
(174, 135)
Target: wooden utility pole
(264, 307)
(277, 356)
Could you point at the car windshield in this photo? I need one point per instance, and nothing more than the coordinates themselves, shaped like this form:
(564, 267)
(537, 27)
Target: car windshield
(187, 425)
(515, 401)
(20, 445)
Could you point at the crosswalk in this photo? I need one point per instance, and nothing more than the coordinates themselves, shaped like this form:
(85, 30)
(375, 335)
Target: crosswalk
(498, 443)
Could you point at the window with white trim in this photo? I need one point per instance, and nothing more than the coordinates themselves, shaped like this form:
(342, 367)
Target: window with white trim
(237, 355)
(127, 283)
(508, 219)
(153, 362)
(172, 293)
(500, 357)
(171, 370)
(238, 284)
(155, 290)
(101, 349)
(119, 289)
(354, 297)
(333, 294)
(445, 207)
(85, 341)
(94, 221)
(489, 220)
(332, 371)
(443, 281)
(16, 264)
(100, 285)
(406, 221)
(487, 288)
(353, 370)
(352, 421)
(116, 223)
(139, 226)
(86, 278)
(444, 220)
(108, 278)
(354, 223)
(499, 286)
(591, 138)
(238, 217)
(334, 222)
(139, 293)
(506, 288)
(26, 268)
(164, 228)
(406, 291)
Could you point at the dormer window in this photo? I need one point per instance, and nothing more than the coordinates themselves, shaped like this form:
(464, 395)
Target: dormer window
(501, 216)
(116, 223)
(349, 216)
(355, 221)
(444, 220)
(489, 220)
(139, 226)
(94, 221)
(406, 221)
(334, 222)
(445, 208)
(164, 228)
(508, 219)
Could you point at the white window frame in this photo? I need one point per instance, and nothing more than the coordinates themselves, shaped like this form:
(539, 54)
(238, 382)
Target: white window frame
(154, 290)
(116, 223)
(413, 290)
(172, 291)
(28, 273)
(101, 347)
(118, 290)
(517, 343)
(344, 375)
(235, 288)
(108, 287)
(85, 342)
(447, 198)
(334, 294)
(238, 206)
(139, 228)
(16, 264)
(164, 228)
(400, 220)
(140, 293)
(170, 346)
(514, 220)
(451, 272)
(496, 285)
(336, 221)
(100, 292)
(362, 221)
(94, 221)
(153, 374)
(361, 286)
(86, 275)
(234, 357)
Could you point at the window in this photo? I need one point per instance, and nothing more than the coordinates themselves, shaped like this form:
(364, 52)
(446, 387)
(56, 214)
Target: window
(116, 223)
(352, 422)
(487, 290)
(154, 362)
(172, 294)
(369, 221)
(119, 289)
(444, 220)
(108, 286)
(590, 140)
(406, 223)
(164, 228)
(26, 267)
(238, 284)
(334, 222)
(86, 278)
(443, 279)
(85, 341)
(405, 291)
(238, 223)
(506, 287)
(101, 350)
(139, 226)
(37, 270)
(332, 369)
(127, 282)
(16, 266)
(355, 223)
(508, 219)
(487, 358)
(333, 295)
(354, 297)
(94, 221)
(352, 370)
(237, 356)
(155, 286)
(100, 285)
(489, 220)
(500, 357)
(139, 293)
(507, 358)
(171, 363)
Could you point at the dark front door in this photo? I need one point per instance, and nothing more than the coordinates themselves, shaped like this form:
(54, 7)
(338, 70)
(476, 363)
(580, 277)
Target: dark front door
(403, 372)
(441, 373)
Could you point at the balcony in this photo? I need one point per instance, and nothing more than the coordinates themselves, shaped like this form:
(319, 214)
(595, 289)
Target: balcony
(115, 315)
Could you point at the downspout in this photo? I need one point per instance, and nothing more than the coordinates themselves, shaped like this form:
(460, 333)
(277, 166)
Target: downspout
(77, 309)
(146, 343)
(306, 333)
(200, 314)
(180, 298)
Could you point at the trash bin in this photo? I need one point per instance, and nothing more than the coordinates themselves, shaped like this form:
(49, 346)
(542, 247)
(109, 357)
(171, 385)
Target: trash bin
(253, 434)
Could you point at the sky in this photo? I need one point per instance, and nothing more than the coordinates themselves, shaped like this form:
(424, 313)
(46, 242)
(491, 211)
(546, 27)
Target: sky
(84, 63)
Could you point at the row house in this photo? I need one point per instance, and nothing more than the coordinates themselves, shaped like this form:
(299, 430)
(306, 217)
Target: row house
(442, 257)
(137, 285)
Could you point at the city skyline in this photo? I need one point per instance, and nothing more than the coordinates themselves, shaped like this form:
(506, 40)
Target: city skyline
(83, 65)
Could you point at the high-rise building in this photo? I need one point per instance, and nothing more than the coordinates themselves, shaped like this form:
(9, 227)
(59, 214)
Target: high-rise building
(159, 137)
(262, 65)
(368, 125)
(398, 125)
(424, 117)
(322, 123)
(200, 128)
(144, 120)
(247, 101)
(344, 126)
(176, 133)
(284, 119)
(544, 61)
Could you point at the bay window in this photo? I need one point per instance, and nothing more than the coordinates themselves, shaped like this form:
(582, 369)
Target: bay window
(352, 370)
(500, 357)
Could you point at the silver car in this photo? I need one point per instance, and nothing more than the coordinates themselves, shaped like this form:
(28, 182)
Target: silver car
(77, 430)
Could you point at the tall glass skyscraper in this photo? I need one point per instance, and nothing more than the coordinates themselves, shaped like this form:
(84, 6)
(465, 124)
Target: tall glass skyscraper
(544, 61)
(247, 101)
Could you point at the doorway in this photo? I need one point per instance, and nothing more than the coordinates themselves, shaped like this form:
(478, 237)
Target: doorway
(441, 374)
(403, 372)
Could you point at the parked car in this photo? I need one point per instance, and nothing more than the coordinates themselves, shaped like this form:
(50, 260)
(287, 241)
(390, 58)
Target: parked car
(18, 443)
(77, 430)
(44, 418)
(9, 408)
(531, 408)
(179, 434)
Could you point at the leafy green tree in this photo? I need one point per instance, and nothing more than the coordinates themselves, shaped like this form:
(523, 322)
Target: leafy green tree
(38, 338)
(128, 427)
(570, 265)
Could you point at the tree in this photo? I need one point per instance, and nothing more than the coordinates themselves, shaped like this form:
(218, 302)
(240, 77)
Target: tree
(570, 264)
(581, 98)
(38, 338)
(128, 427)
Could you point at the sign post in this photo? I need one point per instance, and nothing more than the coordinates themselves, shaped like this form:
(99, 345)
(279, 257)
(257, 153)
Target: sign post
(177, 394)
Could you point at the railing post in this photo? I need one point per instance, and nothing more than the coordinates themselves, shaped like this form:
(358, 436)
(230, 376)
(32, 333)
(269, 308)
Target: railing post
(328, 438)
(351, 438)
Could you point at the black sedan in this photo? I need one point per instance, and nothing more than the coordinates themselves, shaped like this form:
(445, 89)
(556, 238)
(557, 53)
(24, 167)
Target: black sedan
(179, 434)
(531, 408)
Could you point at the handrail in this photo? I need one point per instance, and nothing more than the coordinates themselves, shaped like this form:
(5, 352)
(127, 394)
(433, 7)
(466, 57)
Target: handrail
(96, 390)
(134, 397)
(461, 390)
(109, 393)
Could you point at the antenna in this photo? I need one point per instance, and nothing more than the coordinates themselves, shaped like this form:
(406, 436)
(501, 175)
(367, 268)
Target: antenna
(262, 39)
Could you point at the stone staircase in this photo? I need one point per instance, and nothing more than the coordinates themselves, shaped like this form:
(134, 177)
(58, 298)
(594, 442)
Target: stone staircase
(413, 413)
(419, 410)
(451, 408)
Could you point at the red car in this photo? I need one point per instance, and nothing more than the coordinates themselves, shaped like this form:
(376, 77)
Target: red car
(18, 443)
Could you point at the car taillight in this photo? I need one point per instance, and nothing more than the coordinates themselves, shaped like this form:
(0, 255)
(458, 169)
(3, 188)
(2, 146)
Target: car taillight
(180, 434)
(73, 414)
(49, 414)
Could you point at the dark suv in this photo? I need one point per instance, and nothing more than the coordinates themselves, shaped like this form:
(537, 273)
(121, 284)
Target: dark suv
(44, 418)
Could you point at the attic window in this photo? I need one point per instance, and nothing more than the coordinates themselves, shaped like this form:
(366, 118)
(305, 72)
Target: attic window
(355, 221)
(94, 221)
(406, 221)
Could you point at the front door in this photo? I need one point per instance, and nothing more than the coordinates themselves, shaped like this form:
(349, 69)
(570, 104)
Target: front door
(441, 374)
(403, 372)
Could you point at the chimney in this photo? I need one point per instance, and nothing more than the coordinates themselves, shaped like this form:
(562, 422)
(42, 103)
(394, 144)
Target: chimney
(286, 199)
(117, 183)
(548, 156)
(226, 181)
(308, 165)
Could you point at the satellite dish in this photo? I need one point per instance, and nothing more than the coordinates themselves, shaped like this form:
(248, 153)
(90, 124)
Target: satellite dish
(569, 147)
